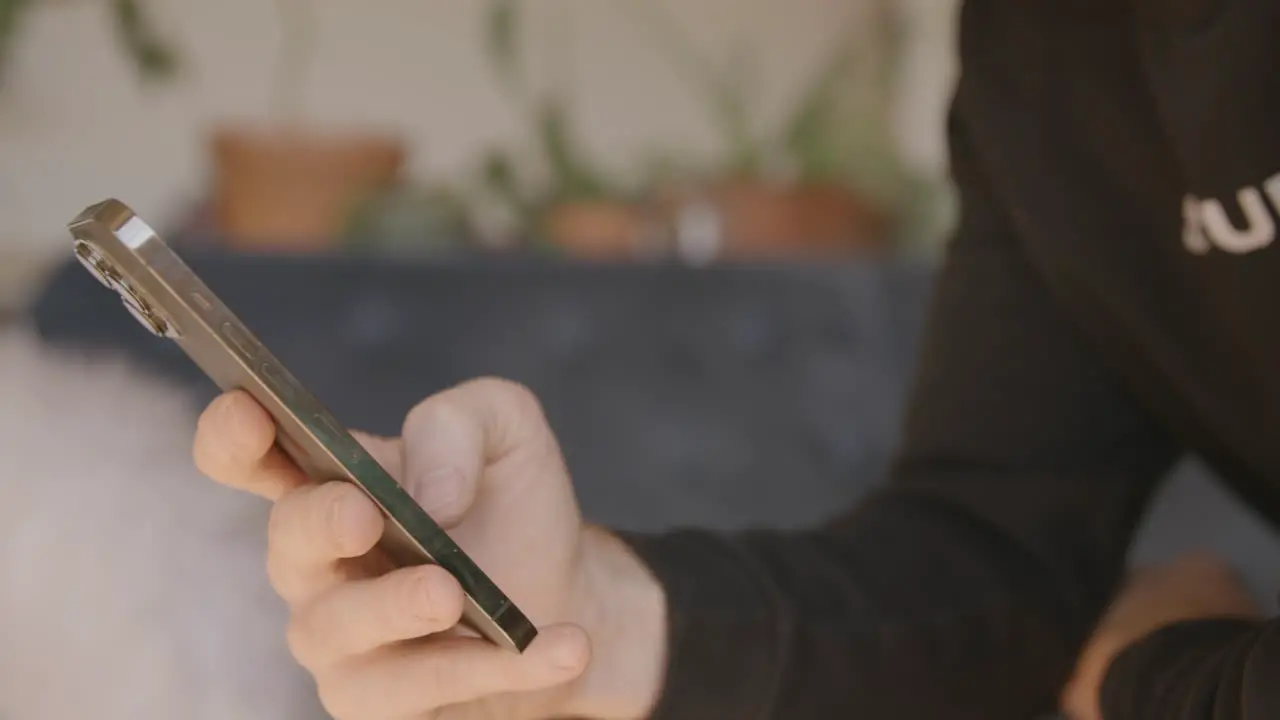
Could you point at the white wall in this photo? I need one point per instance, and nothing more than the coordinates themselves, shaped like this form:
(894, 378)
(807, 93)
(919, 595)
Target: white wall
(75, 125)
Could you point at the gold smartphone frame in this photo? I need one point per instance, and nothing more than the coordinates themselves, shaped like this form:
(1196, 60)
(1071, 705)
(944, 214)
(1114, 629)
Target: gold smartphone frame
(167, 298)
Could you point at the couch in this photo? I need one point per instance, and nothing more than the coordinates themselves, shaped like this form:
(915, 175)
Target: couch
(724, 397)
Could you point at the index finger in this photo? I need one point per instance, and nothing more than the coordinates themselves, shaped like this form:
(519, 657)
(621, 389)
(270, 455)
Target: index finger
(235, 446)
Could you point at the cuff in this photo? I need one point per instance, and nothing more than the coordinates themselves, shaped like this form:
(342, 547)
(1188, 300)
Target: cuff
(1173, 672)
(726, 630)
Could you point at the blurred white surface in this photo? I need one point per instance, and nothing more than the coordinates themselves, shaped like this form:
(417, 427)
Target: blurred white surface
(22, 267)
(134, 589)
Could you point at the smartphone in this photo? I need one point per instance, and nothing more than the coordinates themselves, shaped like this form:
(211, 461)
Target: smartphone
(167, 298)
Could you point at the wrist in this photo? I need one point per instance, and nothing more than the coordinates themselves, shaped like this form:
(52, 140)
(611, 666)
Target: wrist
(623, 608)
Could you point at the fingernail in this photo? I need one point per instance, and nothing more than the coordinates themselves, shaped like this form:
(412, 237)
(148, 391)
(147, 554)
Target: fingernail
(228, 426)
(567, 652)
(439, 490)
(348, 518)
(424, 589)
(225, 406)
(241, 430)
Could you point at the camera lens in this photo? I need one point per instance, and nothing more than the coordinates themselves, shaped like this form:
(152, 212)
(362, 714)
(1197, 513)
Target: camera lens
(102, 269)
(143, 314)
(97, 265)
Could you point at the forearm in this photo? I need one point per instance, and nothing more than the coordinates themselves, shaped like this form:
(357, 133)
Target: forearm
(966, 588)
(909, 610)
(1202, 670)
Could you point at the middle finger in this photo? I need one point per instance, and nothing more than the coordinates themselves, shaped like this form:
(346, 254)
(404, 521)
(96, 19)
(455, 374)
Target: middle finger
(311, 531)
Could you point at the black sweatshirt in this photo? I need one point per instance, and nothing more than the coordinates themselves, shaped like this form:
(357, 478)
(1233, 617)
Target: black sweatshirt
(1111, 301)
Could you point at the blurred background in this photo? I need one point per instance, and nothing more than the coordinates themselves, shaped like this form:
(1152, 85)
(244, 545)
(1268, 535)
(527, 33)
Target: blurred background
(703, 232)
(708, 227)
(606, 130)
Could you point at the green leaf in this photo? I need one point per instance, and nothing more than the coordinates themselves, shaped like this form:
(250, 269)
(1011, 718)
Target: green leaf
(731, 99)
(571, 177)
(152, 55)
(10, 18)
(504, 36)
(816, 135)
(725, 89)
(409, 220)
(498, 176)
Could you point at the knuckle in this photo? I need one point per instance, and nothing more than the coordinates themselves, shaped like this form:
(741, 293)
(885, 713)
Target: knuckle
(511, 394)
(508, 399)
(516, 418)
(308, 517)
(436, 411)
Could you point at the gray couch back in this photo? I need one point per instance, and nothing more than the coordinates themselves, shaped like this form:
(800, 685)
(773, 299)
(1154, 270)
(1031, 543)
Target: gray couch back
(724, 397)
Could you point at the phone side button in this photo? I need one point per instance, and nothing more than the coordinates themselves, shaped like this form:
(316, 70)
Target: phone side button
(239, 340)
(277, 382)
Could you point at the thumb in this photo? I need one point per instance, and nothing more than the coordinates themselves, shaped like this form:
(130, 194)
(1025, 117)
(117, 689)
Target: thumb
(450, 438)
(478, 675)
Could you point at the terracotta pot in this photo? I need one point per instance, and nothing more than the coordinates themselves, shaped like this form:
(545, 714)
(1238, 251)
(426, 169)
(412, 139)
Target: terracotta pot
(290, 189)
(597, 230)
(761, 221)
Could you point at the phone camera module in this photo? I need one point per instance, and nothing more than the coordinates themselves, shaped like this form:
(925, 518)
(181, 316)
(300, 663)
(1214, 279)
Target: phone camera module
(97, 265)
(106, 273)
(144, 314)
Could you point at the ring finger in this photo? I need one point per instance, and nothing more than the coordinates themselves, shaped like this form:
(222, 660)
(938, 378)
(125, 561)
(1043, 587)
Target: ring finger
(357, 617)
(414, 679)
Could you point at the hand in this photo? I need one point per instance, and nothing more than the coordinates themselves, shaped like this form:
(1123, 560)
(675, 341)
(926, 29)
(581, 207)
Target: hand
(385, 643)
(1194, 587)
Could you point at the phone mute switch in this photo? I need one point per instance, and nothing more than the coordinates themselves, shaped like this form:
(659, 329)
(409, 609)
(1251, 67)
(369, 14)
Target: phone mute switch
(240, 340)
(277, 381)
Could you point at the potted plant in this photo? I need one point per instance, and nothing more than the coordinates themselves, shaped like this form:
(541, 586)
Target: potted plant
(823, 181)
(287, 185)
(412, 221)
(284, 185)
(554, 192)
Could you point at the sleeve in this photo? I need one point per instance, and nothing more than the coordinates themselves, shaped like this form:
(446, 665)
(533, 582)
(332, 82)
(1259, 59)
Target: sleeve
(1200, 670)
(965, 587)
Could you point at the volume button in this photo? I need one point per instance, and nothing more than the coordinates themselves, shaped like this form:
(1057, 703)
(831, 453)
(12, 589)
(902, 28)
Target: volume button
(277, 381)
(240, 340)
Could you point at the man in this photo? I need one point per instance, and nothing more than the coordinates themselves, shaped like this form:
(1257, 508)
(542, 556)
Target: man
(1107, 304)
